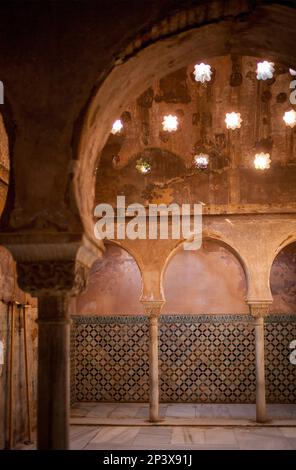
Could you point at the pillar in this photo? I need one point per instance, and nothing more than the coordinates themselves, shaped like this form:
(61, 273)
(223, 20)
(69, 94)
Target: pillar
(259, 310)
(51, 282)
(152, 310)
(53, 403)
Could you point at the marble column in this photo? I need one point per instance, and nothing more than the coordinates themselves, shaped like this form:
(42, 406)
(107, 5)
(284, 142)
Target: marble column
(152, 310)
(259, 310)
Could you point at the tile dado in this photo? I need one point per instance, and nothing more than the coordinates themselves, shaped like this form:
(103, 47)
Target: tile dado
(202, 359)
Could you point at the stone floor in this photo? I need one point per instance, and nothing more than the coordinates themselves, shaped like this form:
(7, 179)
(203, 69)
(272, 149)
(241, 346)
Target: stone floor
(182, 438)
(204, 411)
(180, 428)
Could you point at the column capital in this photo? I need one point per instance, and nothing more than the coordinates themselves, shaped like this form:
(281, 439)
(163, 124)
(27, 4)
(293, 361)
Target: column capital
(45, 266)
(259, 309)
(152, 308)
(46, 276)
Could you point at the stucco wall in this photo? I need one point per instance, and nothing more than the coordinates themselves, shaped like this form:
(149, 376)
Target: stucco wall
(283, 281)
(209, 280)
(114, 285)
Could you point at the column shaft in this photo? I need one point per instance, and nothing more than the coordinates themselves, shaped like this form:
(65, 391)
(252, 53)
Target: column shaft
(260, 371)
(153, 369)
(53, 374)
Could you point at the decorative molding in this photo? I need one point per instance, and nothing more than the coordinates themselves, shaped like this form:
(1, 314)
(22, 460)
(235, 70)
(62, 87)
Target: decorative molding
(165, 319)
(205, 318)
(280, 318)
(46, 276)
(109, 320)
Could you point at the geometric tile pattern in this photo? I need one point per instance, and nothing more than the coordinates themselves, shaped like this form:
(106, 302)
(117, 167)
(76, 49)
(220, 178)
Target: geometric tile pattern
(207, 362)
(111, 362)
(202, 359)
(72, 363)
(280, 373)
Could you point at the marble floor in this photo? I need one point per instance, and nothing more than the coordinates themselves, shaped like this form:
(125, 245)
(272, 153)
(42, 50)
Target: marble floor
(133, 413)
(179, 428)
(179, 438)
(182, 438)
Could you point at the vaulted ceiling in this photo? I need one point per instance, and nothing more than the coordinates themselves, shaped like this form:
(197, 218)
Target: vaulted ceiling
(231, 179)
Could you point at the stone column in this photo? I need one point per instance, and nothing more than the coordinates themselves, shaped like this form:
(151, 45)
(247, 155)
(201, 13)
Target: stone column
(53, 373)
(259, 310)
(50, 281)
(153, 309)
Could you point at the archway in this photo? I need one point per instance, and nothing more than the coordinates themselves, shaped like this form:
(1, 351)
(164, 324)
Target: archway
(201, 277)
(206, 325)
(264, 29)
(186, 37)
(109, 338)
(114, 285)
(280, 327)
(283, 280)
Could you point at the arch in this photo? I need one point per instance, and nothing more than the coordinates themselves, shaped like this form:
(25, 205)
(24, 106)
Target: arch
(287, 240)
(130, 251)
(210, 235)
(291, 238)
(188, 36)
(282, 279)
(200, 275)
(115, 284)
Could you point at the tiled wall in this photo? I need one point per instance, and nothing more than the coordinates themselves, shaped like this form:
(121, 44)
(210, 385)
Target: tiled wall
(202, 358)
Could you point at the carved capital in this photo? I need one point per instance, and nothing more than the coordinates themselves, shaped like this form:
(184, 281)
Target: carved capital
(152, 308)
(259, 309)
(46, 276)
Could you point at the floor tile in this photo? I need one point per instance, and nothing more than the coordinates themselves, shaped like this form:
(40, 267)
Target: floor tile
(80, 436)
(187, 435)
(220, 436)
(288, 432)
(181, 410)
(115, 435)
